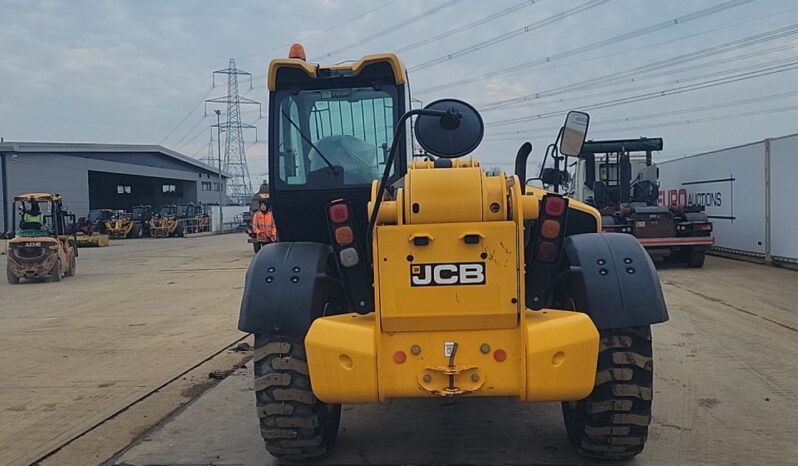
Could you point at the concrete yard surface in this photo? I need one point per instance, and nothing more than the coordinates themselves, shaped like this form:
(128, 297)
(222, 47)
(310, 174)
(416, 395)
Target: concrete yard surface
(726, 366)
(137, 314)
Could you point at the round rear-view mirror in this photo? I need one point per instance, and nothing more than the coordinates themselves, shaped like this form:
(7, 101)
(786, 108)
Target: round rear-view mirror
(454, 134)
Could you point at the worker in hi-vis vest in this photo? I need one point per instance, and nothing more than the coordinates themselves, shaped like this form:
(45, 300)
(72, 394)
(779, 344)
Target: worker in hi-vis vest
(32, 218)
(263, 223)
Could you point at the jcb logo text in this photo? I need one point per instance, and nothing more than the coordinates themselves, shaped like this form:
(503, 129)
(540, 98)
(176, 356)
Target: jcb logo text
(470, 273)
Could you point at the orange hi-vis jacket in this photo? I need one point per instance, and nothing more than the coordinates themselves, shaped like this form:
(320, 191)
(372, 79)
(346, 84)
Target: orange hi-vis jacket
(263, 225)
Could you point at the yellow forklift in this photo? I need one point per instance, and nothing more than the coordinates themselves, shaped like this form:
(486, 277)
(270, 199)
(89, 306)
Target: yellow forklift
(41, 247)
(433, 279)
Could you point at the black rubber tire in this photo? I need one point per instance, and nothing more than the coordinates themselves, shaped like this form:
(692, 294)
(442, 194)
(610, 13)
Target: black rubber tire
(695, 258)
(180, 231)
(294, 424)
(56, 273)
(12, 279)
(73, 265)
(256, 246)
(612, 422)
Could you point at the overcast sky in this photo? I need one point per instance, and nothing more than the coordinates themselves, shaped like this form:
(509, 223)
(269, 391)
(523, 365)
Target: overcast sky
(136, 71)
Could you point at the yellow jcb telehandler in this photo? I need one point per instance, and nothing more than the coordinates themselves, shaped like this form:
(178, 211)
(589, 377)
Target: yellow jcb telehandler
(433, 280)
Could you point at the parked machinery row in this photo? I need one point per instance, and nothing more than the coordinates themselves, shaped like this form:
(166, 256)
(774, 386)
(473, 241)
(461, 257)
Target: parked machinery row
(142, 221)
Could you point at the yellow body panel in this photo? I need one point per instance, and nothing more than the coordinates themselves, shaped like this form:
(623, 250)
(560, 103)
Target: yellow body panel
(561, 354)
(411, 300)
(551, 357)
(342, 358)
(400, 350)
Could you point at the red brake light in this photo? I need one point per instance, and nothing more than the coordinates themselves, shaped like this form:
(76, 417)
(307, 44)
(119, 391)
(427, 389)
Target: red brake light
(339, 213)
(554, 205)
(546, 252)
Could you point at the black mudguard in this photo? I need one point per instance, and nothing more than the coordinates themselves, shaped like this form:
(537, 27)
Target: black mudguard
(287, 286)
(611, 278)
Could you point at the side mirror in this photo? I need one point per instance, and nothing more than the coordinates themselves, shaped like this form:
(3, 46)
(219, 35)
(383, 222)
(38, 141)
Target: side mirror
(574, 133)
(455, 133)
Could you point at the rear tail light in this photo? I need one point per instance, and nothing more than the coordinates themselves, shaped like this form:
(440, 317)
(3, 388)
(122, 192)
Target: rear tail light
(344, 235)
(704, 227)
(339, 213)
(550, 229)
(554, 206)
(547, 251)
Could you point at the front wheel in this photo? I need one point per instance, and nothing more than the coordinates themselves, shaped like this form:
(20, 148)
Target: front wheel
(73, 264)
(294, 424)
(612, 422)
(12, 279)
(57, 272)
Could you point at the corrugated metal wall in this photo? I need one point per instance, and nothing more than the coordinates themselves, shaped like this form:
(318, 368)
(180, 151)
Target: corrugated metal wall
(748, 192)
(68, 175)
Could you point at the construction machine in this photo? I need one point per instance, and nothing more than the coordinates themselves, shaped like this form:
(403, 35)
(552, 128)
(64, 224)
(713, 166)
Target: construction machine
(165, 224)
(433, 279)
(619, 178)
(194, 217)
(121, 226)
(91, 231)
(140, 215)
(41, 247)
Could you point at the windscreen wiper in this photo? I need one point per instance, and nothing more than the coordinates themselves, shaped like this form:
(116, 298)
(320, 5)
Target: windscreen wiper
(307, 139)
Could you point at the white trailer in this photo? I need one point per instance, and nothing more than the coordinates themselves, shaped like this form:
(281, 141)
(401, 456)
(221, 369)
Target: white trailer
(748, 192)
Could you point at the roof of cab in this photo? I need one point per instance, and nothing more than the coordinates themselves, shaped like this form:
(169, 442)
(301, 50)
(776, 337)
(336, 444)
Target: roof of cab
(37, 197)
(311, 69)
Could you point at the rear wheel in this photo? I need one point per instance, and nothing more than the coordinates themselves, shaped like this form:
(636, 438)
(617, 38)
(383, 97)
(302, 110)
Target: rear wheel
(695, 258)
(612, 423)
(180, 231)
(12, 279)
(294, 424)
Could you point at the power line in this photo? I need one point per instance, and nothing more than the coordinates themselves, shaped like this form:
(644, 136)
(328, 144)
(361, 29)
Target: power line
(648, 68)
(467, 27)
(322, 32)
(682, 80)
(656, 94)
(508, 35)
(625, 120)
(592, 46)
(190, 112)
(424, 15)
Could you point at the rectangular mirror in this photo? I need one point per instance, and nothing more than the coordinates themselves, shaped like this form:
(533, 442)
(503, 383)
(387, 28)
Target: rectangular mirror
(574, 133)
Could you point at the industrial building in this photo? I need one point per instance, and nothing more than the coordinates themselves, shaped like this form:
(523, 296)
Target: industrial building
(104, 176)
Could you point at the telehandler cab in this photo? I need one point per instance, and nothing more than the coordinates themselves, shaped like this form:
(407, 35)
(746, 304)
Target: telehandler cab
(433, 280)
